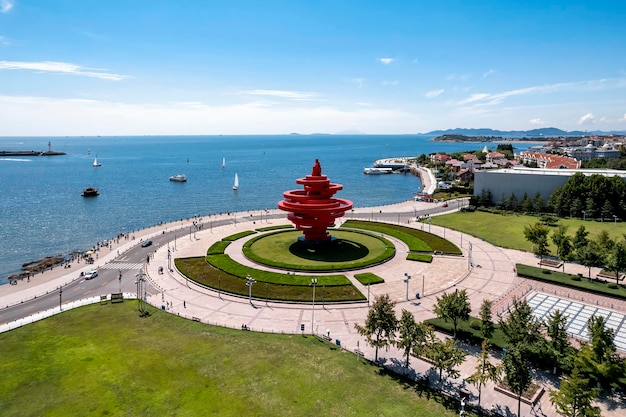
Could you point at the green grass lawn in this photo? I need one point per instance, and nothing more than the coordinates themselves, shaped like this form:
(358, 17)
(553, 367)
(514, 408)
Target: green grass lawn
(508, 230)
(104, 360)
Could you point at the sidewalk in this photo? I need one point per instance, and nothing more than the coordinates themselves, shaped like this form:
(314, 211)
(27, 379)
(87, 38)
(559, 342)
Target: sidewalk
(493, 277)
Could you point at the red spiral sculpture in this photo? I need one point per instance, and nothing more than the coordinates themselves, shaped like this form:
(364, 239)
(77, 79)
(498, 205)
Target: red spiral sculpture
(314, 209)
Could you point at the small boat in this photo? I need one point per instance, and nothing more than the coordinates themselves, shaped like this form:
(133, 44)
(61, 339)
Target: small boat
(90, 192)
(96, 163)
(223, 162)
(236, 185)
(377, 171)
(179, 178)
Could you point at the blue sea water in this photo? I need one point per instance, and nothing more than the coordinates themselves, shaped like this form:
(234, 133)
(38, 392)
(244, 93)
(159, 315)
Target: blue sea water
(42, 211)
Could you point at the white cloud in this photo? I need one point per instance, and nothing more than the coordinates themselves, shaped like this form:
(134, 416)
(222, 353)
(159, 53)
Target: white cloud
(456, 77)
(394, 82)
(623, 119)
(4, 41)
(587, 119)
(434, 93)
(537, 122)
(358, 81)
(59, 68)
(291, 95)
(488, 73)
(6, 5)
(386, 61)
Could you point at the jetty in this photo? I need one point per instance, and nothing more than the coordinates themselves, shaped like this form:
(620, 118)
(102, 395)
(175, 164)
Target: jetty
(49, 152)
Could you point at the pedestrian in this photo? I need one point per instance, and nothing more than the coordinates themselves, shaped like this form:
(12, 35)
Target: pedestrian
(184, 304)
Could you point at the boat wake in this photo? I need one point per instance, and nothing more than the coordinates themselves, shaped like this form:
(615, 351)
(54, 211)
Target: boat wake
(16, 159)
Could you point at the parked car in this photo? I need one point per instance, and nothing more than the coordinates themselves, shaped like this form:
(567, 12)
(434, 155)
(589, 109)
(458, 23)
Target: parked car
(146, 244)
(91, 274)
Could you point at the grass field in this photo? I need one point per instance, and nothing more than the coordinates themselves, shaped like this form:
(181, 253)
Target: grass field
(104, 360)
(508, 230)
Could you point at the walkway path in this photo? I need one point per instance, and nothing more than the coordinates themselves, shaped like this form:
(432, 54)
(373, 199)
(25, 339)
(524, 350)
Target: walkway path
(491, 277)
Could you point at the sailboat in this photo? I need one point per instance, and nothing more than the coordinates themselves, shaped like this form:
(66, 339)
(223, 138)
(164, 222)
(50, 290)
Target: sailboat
(96, 163)
(223, 162)
(236, 185)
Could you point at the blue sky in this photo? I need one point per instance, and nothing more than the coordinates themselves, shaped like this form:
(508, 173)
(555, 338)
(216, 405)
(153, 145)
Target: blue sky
(75, 67)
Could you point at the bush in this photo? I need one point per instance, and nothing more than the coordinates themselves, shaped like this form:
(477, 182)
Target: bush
(576, 278)
(612, 285)
(545, 271)
(475, 324)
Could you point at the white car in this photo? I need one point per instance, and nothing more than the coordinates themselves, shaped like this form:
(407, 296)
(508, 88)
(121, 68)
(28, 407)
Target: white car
(91, 274)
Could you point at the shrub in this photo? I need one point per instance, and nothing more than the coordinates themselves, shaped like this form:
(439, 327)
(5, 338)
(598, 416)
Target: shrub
(612, 285)
(576, 278)
(545, 271)
(475, 324)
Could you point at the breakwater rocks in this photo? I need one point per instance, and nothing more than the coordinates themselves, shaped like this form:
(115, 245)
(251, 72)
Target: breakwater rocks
(31, 268)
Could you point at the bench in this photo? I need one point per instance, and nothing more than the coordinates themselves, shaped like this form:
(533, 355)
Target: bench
(551, 263)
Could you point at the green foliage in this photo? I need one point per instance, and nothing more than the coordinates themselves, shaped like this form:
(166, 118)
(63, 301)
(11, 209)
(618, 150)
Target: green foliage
(367, 278)
(559, 339)
(445, 357)
(485, 371)
(419, 257)
(486, 324)
(521, 328)
(466, 332)
(517, 371)
(454, 307)
(407, 334)
(239, 235)
(612, 285)
(417, 240)
(218, 247)
(277, 227)
(537, 234)
(574, 397)
(274, 286)
(106, 360)
(381, 324)
(560, 278)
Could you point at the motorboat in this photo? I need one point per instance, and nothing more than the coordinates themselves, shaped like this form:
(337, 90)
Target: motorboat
(377, 171)
(179, 178)
(90, 192)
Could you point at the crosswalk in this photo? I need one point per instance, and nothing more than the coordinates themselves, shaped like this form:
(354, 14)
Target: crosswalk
(123, 265)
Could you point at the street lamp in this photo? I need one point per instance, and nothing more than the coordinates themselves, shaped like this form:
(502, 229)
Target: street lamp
(314, 283)
(249, 284)
(120, 279)
(60, 296)
(141, 303)
(406, 280)
(584, 215)
(615, 220)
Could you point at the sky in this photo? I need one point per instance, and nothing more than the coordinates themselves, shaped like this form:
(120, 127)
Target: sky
(159, 67)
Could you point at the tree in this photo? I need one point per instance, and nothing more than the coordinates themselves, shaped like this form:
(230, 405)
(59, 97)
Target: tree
(521, 328)
(537, 234)
(559, 340)
(598, 360)
(486, 324)
(517, 371)
(380, 325)
(581, 238)
(574, 397)
(425, 336)
(485, 370)
(590, 256)
(616, 261)
(407, 334)
(559, 235)
(454, 307)
(607, 210)
(445, 356)
(590, 207)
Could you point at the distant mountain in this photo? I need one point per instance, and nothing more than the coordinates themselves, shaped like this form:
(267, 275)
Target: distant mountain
(544, 131)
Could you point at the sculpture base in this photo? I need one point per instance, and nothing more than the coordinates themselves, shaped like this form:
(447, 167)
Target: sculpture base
(314, 244)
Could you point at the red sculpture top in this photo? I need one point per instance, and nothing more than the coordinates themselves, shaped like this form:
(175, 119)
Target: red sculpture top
(314, 209)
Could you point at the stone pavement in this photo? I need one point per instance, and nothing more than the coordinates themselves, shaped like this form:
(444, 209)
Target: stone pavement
(489, 275)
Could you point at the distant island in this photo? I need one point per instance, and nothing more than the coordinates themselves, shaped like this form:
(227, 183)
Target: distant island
(546, 132)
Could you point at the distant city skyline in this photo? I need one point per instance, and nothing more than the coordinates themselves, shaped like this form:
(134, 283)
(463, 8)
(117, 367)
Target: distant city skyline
(321, 66)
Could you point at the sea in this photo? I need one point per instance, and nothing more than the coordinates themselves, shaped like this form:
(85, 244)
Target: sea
(42, 211)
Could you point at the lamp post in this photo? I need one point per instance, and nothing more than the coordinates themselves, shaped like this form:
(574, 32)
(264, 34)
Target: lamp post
(406, 280)
(584, 215)
(141, 303)
(615, 220)
(423, 279)
(314, 283)
(60, 297)
(249, 284)
(120, 279)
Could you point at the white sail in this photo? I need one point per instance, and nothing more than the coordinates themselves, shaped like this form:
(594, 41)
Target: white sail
(96, 163)
(236, 185)
(223, 162)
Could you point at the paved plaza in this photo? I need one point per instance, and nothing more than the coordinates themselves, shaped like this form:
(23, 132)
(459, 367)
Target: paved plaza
(491, 275)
